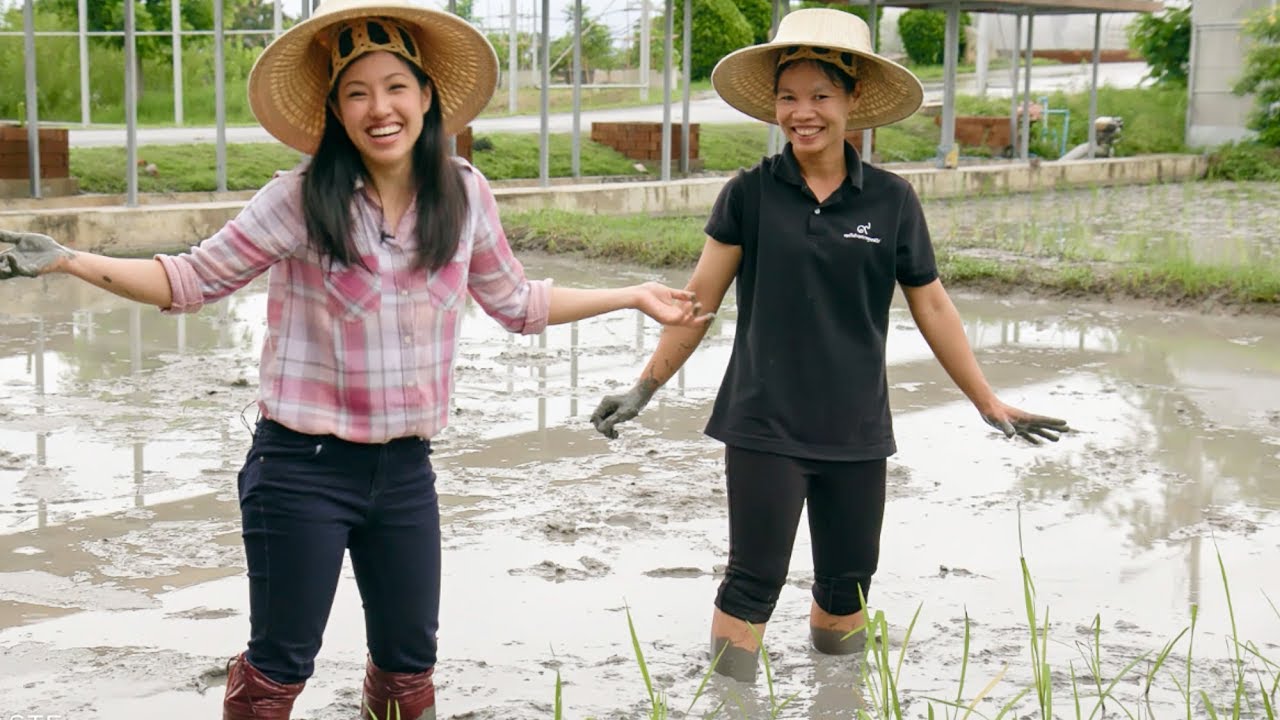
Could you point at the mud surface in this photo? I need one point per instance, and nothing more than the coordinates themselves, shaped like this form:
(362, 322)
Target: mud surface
(122, 587)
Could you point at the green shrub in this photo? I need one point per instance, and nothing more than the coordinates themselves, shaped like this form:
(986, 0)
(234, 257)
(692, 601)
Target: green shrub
(718, 29)
(1244, 161)
(1262, 75)
(1164, 41)
(759, 15)
(924, 35)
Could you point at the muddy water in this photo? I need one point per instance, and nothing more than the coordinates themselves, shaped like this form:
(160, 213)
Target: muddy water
(1215, 223)
(122, 581)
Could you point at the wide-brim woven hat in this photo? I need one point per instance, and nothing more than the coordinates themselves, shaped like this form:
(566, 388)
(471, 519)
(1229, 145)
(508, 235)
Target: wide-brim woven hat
(289, 82)
(889, 92)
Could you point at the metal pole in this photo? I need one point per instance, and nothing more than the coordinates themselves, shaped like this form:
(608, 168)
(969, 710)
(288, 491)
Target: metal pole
(645, 41)
(1014, 56)
(513, 61)
(82, 11)
(175, 16)
(668, 53)
(277, 19)
(773, 145)
(131, 104)
(874, 24)
(220, 93)
(1093, 86)
(950, 57)
(306, 9)
(982, 60)
(544, 146)
(33, 113)
(1026, 92)
(686, 72)
(576, 150)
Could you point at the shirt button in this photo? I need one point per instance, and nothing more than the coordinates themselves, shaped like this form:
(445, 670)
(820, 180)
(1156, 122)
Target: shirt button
(404, 293)
(817, 211)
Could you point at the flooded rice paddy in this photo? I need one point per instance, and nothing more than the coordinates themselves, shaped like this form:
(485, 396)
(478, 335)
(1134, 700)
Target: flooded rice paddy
(122, 586)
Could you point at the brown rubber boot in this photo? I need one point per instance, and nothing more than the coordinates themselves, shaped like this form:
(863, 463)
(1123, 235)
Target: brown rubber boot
(398, 696)
(254, 696)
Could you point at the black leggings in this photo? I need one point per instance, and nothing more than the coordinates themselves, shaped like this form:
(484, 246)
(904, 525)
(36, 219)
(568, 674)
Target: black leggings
(766, 493)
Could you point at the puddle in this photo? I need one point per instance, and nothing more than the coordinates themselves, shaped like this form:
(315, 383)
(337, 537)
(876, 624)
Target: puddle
(122, 585)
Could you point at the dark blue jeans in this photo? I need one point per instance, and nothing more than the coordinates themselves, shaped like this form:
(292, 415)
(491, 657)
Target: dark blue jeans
(307, 499)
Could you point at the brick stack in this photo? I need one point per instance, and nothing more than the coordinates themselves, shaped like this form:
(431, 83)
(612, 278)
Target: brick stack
(54, 157)
(643, 140)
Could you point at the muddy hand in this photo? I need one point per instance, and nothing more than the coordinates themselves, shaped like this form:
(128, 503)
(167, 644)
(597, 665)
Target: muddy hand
(671, 307)
(614, 409)
(32, 254)
(1027, 426)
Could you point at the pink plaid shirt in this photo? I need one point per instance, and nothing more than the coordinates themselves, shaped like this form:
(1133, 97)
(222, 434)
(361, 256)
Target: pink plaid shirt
(366, 356)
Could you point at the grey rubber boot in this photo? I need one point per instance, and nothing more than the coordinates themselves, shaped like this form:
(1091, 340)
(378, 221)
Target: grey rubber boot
(834, 642)
(735, 662)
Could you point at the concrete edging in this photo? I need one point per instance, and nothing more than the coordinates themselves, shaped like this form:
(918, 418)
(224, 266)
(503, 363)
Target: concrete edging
(175, 226)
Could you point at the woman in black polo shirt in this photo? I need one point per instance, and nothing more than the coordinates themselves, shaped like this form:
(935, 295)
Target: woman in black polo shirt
(817, 240)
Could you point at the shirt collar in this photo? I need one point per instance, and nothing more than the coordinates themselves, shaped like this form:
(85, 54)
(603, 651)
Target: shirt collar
(789, 168)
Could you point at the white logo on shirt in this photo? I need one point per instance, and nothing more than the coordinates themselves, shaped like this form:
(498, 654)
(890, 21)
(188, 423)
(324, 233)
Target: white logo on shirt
(863, 233)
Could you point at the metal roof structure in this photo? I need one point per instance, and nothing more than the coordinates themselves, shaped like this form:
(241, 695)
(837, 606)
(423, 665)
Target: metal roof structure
(1039, 7)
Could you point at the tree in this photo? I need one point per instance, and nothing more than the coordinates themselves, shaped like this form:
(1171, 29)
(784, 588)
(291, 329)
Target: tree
(1164, 41)
(597, 47)
(1262, 74)
(759, 15)
(924, 35)
(718, 29)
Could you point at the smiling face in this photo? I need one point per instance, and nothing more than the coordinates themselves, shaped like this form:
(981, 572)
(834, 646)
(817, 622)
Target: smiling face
(380, 103)
(813, 108)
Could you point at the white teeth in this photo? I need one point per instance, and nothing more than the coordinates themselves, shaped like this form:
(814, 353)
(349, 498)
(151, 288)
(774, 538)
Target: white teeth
(384, 131)
(806, 132)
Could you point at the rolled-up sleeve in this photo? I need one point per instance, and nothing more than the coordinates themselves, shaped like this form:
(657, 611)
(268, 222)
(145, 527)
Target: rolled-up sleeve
(270, 227)
(496, 279)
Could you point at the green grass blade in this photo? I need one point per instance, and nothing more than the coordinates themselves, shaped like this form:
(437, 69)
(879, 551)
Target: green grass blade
(706, 678)
(1075, 689)
(906, 640)
(1164, 655)
(559, 704)
(1191, 641)
(1008, 707)
(1237, 671)
(644, 669)
(964, 659)
(1208, 705)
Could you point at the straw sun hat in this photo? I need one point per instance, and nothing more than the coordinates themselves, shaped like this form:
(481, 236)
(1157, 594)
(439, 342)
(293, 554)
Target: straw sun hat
(889, 92)
(289, 82)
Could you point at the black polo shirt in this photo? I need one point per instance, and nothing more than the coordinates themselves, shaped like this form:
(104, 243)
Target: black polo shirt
(807, 373)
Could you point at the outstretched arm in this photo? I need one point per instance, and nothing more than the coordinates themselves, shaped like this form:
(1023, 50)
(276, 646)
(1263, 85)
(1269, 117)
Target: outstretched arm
(34, 254)
(939, 322)
(716, 269)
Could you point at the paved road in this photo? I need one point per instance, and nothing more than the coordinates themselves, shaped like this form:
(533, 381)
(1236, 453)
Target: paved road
(709, 109)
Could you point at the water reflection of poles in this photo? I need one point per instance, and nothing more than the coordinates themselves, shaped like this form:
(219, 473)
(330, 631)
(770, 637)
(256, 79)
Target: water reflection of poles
(573, 369)
(139, 499)
(639, 332)
(42, 458)
(39, 357)
(135, 339)
(182, 334)
(542, 383)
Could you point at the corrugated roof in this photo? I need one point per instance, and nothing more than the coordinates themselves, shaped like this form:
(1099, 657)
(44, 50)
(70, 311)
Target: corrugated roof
(1039, 7)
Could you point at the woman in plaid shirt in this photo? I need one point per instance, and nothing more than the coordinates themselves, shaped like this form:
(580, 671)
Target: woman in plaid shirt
(371, 249)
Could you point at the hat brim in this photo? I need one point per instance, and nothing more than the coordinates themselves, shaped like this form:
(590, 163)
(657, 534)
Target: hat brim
(289, 83)
(888, 91)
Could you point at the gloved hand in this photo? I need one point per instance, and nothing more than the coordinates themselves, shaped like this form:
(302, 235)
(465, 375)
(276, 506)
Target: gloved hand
(32, 254)
(1012, 421)
(614, 409)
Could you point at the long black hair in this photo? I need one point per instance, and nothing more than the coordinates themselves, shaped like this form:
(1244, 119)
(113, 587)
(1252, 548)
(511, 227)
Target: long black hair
(330, 184)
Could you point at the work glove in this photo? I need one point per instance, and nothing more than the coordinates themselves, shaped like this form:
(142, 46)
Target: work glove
(1032, 428)
(614, 409)
(32, 254)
